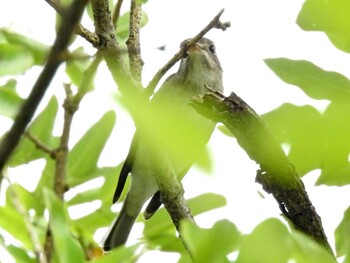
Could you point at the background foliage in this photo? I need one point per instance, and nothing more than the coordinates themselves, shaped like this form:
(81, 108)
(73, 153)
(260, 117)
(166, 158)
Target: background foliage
(317, 140)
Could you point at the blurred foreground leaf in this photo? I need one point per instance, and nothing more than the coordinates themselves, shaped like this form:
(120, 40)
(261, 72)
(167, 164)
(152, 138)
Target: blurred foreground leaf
(331, 17)
(38, 50)
(120, 255)
(270, 241)
(10, 101)
(314, 81)
(14, 59)
(315, 140)
(211, 245)
(160, 231)
(20, 254)
(13, 222)
(342, 237)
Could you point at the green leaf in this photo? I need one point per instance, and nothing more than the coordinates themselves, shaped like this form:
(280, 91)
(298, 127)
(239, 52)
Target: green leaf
(84, 156)
(41, 128)
(66, 246)
(225, 131)
(28, 199)
(160, 231)
(120, 255)
(103, 216)
(314, 81)
(342, 238)
(306, 250)
(77, 70)
(331, 17)
(270, 241)
(110, 174)
(335, 162)
(302, 129)
(316, 141)
(14, 59)
(46, 181)
(38, 50)
(20, 254)
(208, 245)
(267, 243)
(15, 225)
(10, 101)
(211, 201)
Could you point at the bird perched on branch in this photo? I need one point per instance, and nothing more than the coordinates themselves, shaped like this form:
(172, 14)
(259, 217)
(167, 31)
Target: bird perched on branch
(177, 135)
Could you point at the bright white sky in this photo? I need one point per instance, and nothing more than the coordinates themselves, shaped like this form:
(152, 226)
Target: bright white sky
(260, 29)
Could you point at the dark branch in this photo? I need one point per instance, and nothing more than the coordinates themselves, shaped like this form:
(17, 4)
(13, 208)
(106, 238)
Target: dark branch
(71, 19)
(215, 23)
(80, 30)
(277, 175)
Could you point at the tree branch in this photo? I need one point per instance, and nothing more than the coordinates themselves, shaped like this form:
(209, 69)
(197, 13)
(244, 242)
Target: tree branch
(277, 175)
(79, 30)
(39, 145)
(70, 105)
(60, 185)
(71, 18)
(109, 48)
(215, 23)
(133, 42)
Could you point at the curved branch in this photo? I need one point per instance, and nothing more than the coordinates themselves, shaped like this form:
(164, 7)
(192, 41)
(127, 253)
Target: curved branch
(277, 175)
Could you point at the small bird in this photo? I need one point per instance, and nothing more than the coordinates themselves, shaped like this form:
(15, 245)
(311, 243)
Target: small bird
(179, 132)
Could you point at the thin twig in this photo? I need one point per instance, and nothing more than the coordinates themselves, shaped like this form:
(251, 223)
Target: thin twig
(215, 23)
(133, 41)
(71, 105)
(38, 248)
(60, 185)
(80, 30)
(116, 13)
(71, 18)
(40, 145)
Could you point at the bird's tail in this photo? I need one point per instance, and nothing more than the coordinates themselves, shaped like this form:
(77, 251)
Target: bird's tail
(120, 229)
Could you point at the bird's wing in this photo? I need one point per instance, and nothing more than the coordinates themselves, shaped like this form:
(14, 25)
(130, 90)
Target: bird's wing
(125, 171)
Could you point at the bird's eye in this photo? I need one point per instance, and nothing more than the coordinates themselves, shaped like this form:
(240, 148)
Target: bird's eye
(212, 48)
